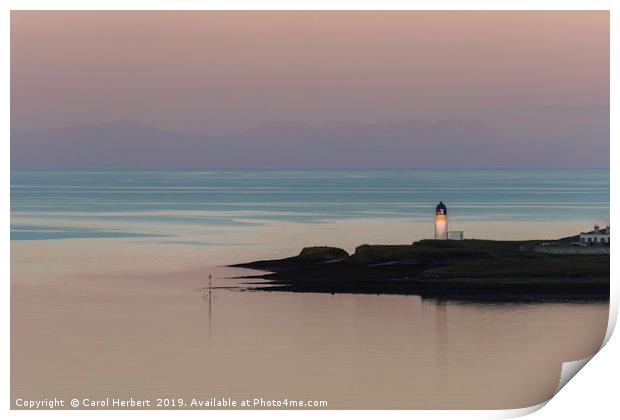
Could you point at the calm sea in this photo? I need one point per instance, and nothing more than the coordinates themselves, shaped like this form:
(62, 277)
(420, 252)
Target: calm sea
(51, 204)
(110, 296)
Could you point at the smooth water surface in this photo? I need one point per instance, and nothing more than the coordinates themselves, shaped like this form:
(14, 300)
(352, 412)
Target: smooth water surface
(108, 270)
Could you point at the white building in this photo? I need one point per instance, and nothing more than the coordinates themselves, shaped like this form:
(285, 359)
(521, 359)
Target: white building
(595, 237)
(441, 221)
(455, 235)
(441, 225)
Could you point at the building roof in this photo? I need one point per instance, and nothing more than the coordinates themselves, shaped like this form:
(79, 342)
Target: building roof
(602, 232)
(441, 208)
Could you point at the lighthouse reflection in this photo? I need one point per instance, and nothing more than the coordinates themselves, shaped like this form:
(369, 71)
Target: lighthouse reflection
(441, 324)
(442, 352)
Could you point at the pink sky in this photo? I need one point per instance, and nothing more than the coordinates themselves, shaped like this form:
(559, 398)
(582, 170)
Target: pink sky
(224, 72)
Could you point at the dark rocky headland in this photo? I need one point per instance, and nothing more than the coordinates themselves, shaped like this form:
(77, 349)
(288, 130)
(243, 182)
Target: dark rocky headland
(468, 270)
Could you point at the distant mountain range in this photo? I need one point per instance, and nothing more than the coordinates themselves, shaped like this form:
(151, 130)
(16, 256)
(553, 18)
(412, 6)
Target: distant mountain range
(449, 142)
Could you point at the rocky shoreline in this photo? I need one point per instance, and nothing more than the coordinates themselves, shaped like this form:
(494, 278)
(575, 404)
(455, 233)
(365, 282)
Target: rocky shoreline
(467, 270)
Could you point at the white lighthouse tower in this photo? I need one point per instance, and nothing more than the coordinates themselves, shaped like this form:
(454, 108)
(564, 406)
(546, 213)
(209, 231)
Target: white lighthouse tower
(441, 221)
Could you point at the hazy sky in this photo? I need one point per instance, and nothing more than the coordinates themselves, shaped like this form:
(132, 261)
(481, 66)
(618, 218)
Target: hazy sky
(224, 72)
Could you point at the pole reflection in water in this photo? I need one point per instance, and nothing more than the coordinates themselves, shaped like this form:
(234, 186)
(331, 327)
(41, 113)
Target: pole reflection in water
(207, 294)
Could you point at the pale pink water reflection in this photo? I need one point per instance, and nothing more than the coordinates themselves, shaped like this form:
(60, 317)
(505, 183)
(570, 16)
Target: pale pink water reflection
(126, 317)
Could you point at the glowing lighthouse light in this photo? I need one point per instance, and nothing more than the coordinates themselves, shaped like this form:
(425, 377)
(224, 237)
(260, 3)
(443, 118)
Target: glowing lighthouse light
(441, 221)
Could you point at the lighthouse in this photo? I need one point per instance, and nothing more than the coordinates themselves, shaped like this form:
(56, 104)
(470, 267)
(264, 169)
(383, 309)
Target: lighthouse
(441, 221)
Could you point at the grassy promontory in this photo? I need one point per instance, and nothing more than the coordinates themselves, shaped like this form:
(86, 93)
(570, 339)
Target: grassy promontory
(453, 269)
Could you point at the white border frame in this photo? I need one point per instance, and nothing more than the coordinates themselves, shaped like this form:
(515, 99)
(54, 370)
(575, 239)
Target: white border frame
(594, 394)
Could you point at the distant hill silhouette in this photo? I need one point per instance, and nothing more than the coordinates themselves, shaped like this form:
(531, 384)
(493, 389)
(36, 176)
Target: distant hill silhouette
(458, 142)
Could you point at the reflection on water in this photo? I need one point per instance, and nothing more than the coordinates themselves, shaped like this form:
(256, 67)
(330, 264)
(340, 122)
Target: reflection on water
(441, 324)
(113, 313)
(207, 295)
(148, 336)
